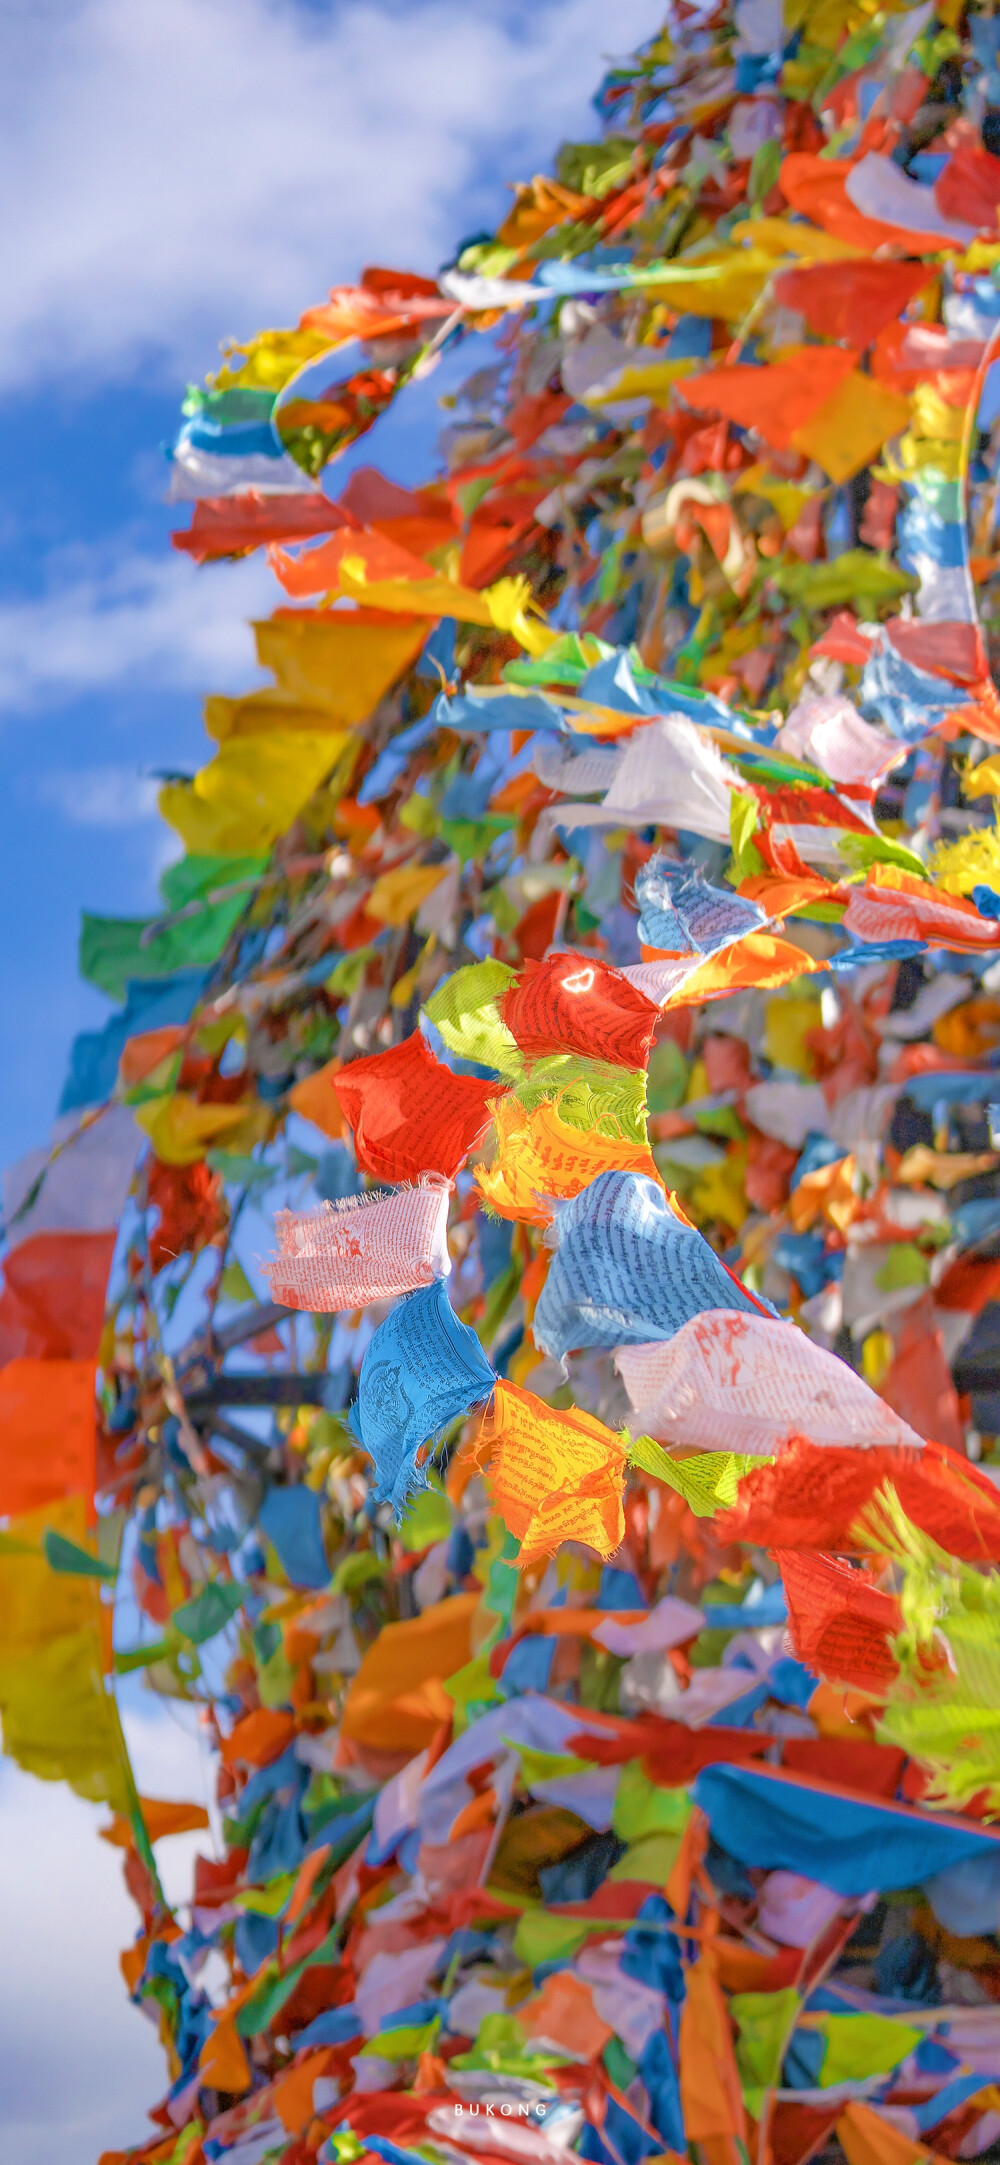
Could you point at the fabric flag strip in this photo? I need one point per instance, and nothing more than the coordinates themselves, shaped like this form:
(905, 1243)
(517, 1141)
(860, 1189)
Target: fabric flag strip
(348, 1256)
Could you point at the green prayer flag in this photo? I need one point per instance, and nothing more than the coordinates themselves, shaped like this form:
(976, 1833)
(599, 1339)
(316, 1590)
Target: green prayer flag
(210, 1611)
(115, 950)
(464, 1010)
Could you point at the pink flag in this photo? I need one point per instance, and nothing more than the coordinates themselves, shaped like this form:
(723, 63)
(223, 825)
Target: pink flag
(364, 1249)
(732, 1381)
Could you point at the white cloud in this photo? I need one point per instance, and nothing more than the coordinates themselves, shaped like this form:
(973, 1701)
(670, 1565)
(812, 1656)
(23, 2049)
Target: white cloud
(107, 796)
(175, 173)
(104, 620)
(80, 2066)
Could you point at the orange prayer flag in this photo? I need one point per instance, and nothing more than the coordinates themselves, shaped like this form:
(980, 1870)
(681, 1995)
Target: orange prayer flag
(309, 1872)
(397, 1701)
(48, 1426)
(293, 2093)
(161, 1817)
(144, 1052)
(828, 1191)
(556, 1476)
(223, 2062)
(867, 2139)
(776, 400)
(761, 961)
(564, 2011)
(316, 1100)
(694, 1843)
(317, 571)
(780, 896)
(711, 2096)
(540, 1154)
(258, 1738)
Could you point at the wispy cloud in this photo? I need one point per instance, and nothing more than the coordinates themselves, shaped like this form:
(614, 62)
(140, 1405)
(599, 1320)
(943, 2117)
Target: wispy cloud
(106, 619)
(79, 2066)
(176, 173)
(108, 796)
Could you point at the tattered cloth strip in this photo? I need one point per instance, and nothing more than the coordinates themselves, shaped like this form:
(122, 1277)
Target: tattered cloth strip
(355, 1252)
(555, 1476)
(755, 1381)
(410, 1114)
(422, 1368)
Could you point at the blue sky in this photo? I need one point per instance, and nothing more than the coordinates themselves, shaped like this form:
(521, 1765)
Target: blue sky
(172, 174)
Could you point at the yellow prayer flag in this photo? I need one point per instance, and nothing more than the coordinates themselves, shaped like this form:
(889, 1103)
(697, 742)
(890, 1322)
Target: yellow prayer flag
(983, 780)
(181, 1130)
(38, 1604)
(505, 605)
(655, 382)
(934, 418)
(435, 596)
(793, 237)
(270, 360)
(343, 660)
(787, 1026)
(396, 895)
(258, 714)
(851, 426)
(719, 282)
(250, 792)
(58, 1721)
(539, 1153)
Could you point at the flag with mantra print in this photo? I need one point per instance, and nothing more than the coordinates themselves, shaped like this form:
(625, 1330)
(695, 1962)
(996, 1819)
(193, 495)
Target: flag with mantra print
(741, 1382)
(577, 1003)
(627, 1269)
(364, 1249)
(422, 1368)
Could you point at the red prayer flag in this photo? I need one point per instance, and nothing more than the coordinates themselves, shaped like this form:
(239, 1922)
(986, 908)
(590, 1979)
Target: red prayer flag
(813, 1495)
(236, 525)
(577, 1003)
(777, 399)
(671, 1753)
(969, 187)
(874, 1770)
(52, 1303)
(839, 1623)
(853, 300)
(410, 1114)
